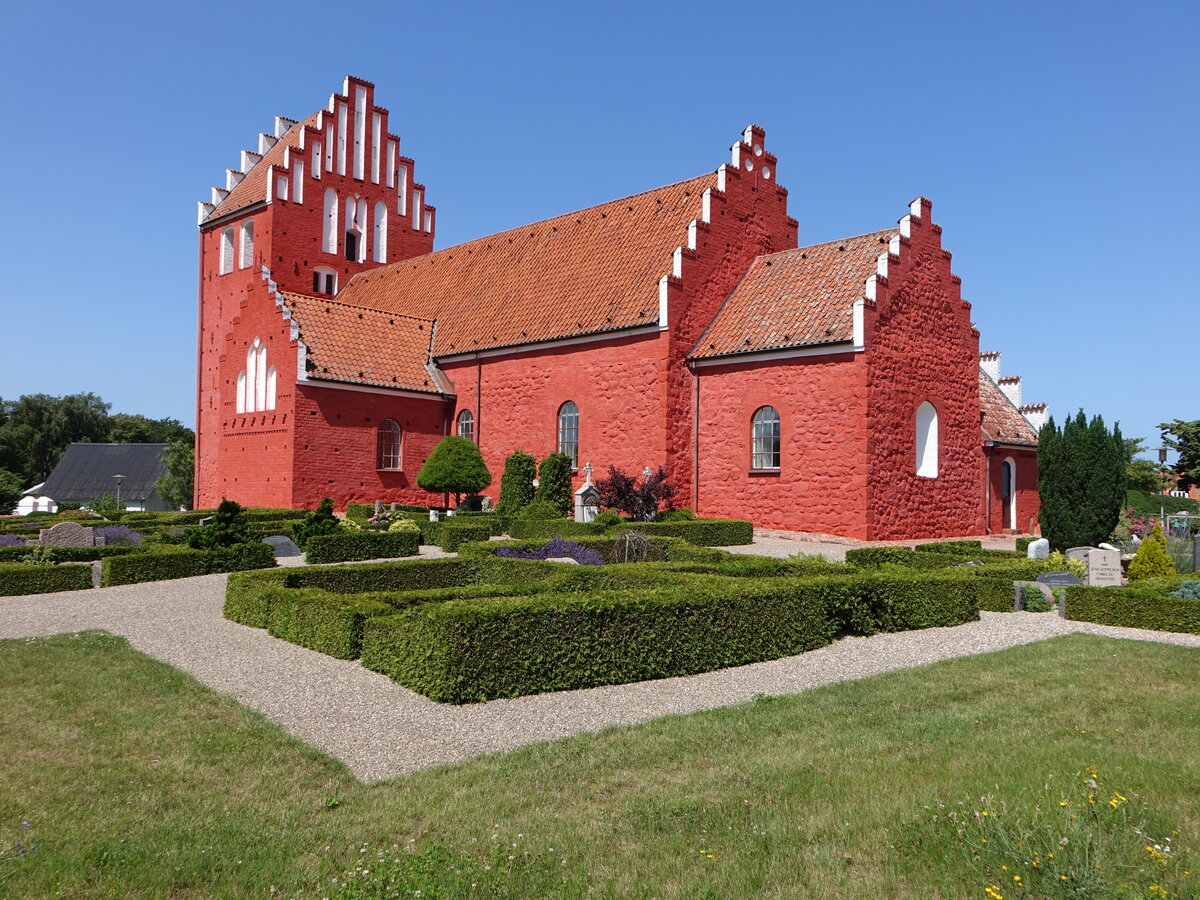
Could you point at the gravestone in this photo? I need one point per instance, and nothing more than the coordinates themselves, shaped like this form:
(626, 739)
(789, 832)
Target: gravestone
(1039, 549)
(1059, 579)
(972, 562)
(67, 534)
(207, 520)
(587, 503)
(1104, 568)
(378, 507)
(1196, 553)
(282, 546)
(1078, 553)
(563, 559)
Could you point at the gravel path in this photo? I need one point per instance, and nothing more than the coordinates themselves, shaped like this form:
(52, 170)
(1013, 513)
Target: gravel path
(381, 730)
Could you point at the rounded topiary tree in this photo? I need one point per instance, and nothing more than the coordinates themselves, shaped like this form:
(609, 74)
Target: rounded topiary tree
(454, 467)
(554, 482)
(516, 484)
(1151, 560)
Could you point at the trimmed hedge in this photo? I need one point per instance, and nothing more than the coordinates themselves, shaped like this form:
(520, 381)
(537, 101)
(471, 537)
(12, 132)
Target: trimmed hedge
(1024, 542)
(452, 536)
(609, 547)
(364, 511)
(548, 528)
(1141, 605)
(17, 579)
(968, 549)
(142, 567)
(701, 532)
(68, 554)
(328, 548)
(875, 557)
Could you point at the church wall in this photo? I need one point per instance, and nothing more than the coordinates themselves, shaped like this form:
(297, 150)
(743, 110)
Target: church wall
(1028, 499)
(921, 347)
(618, 384)
(335, 446)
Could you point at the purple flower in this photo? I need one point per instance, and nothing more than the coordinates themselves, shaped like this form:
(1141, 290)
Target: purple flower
(119, 535)
(11, 540)
(557, 548)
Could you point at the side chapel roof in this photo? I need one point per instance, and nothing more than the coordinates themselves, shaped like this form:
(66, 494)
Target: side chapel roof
(1002, 421)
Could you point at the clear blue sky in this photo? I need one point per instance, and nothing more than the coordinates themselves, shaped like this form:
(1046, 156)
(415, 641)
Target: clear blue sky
(1058, 142)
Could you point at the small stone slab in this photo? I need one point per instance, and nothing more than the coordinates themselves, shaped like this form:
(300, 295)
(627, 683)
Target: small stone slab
(1039, 549)
(207, 520)
(67, 534)
(563, 559)
(971, 562)
(1104, 568)
(282, 546)
(1078, 553)
(1059, 579)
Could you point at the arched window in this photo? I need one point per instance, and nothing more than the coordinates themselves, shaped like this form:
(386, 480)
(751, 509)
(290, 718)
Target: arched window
(226, 261)
(241, 392)
(270, 388)
(380, 232)
(927, 440)
(466, 425)
(256, 383)
(764, 431)
(330, 222)
(356, 229)
(246, 250)
(568, 432)
(387, 446)
(260, 375)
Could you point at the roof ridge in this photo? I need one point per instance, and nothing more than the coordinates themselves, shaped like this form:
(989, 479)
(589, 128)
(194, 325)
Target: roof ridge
(356, 307)
(893, 230)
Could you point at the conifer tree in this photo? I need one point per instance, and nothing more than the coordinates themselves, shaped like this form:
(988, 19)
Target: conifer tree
(554, 482)
(516, 484)
(1151, 560)
(1081, 479)
(455, 467)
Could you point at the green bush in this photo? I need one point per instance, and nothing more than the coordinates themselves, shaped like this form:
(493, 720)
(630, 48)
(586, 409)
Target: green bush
(522, 527)
(538, 510)
(959, 548)
(1151, 559)
(554, 483)
(875, 557)
(321, 621)
(68, 554)
(142, 567)
(454, 534)
(455, 467)
(227, 529)
(17, 579)
(1146, 604)
(1148, 504)
(360, 511)
(1023, 543)
(516, 484)
(1189, 590)
(611, 548)
(321, 521)
(329, 548)
(701, 532)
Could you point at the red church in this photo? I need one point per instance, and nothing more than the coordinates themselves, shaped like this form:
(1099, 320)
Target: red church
(835, 388)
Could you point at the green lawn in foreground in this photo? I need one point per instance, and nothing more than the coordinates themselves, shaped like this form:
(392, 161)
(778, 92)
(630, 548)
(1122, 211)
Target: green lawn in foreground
(137, 781)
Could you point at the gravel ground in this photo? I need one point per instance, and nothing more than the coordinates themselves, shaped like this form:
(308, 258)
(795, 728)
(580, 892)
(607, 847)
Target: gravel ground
(381, 730)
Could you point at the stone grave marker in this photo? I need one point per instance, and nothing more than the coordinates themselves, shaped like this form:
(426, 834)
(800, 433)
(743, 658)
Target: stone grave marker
(1059, 579)
(1078, 553)
(1104, 568)
(282, 546)
(378, 507)
(67, 534)
(1039, 549)
(587, 503)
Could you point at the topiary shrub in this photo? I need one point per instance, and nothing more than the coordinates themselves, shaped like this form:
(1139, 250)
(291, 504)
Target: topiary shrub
(454, 467)
(403, 526)
(554, 483)
(320, 521)
(516, 484)
(1151, 560)
(227, 529)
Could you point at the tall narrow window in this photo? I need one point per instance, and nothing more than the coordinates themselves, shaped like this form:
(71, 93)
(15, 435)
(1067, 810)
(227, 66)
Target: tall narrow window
(241, 392)
(927, 440)
(270, 404)
(1008, 492)
(246, 251)
(387, 446)
(380, 232)
(251, 374)
(765, 438)
(568, 432)
(329, 244)
(226, 261)
(466, 425)
(260, 376)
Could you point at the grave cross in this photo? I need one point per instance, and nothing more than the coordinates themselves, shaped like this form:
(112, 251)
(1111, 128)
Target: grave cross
(649, 473)
(587, 474)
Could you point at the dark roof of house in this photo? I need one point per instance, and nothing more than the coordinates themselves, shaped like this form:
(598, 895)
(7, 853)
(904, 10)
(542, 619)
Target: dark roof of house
(86, 471)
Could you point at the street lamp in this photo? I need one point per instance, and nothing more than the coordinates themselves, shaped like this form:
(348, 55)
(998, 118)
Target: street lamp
(119, 479)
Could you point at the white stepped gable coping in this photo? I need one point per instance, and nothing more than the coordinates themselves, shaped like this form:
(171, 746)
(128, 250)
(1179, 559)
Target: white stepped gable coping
(894, 245)
(248, 160)
(232, 177)
(219, 194)
(332, 103)
(869, 289)
(205, 210)
(736, 154)
(748, 134)
(265, 142)
(662, 301)
(881, 265)
(721, 178)
(270, 192)
(677, 262)
(282, 124)
(915, 207)
(691, 239)
(858, 318)
(906, 226)
(706, 205)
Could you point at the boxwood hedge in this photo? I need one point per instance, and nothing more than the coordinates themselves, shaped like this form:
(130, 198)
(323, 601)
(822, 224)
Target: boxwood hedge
(548, 528)
(452, 535)
(328, 548)
(875, 557)
(67, 554)
(1141, 605)
(184, 563)
(17, 579)
(701, 532)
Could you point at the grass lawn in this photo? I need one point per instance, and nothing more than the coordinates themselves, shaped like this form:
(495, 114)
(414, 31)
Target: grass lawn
(134, 780)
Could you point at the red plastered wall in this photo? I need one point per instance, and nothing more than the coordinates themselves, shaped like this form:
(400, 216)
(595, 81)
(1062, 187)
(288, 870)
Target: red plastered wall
(1027, 497)
(821, 482)
(920, 346)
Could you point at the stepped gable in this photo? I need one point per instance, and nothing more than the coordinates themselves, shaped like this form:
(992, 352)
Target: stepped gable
(363, 346)
(796, 298)
(1001, 420)
(252, 187)
(587, 272)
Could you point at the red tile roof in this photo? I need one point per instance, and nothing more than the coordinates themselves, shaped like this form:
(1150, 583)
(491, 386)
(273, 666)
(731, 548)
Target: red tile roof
(582, 273)
(364, 346)
(1002, 421)
(253, 186)
(796, 298)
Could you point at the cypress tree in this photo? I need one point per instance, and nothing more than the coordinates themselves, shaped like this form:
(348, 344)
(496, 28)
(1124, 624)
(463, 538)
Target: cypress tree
(516, 484)
(1081, 479)
(554, 482)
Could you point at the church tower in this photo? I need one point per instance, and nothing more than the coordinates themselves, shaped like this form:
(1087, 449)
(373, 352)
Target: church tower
(316, 202)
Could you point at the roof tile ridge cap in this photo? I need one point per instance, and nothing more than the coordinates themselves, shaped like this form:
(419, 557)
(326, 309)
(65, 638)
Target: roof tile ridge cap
(895, 230)
(999, 391)
(695, 351)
